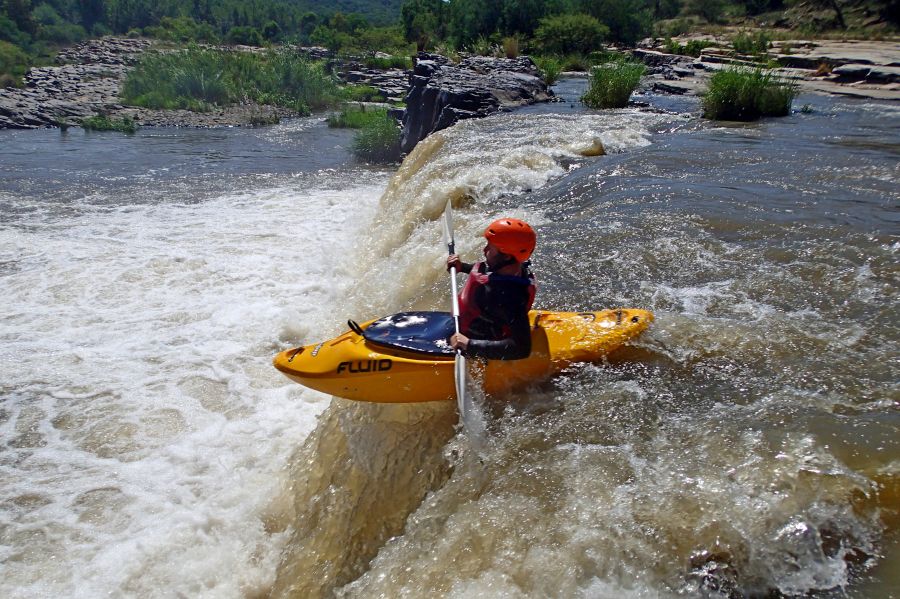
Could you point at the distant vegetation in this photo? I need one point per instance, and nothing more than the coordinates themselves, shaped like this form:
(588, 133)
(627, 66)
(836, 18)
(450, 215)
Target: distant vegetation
(104, 123)
(737, 94)
(201, 78)
(32, 30)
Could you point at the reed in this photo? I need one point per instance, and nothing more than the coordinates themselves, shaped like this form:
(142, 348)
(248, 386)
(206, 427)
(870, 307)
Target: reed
(612, 84)
(737, 94)
(550, 68)
(104, 123)
(354, 117)
(378, 141)
(201, 78)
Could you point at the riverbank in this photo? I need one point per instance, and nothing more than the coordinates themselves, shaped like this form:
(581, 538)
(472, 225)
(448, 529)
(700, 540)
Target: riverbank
(87, 80)
(861, 69)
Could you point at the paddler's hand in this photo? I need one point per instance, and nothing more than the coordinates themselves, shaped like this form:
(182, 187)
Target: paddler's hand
(459, 341)
(453, 261)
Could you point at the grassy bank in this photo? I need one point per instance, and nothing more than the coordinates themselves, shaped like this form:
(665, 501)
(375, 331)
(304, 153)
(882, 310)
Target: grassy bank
(200, 78)
(737, 94)
(104, 123)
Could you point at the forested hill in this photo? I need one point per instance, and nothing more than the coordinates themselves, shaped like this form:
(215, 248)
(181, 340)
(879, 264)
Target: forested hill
(377, 12)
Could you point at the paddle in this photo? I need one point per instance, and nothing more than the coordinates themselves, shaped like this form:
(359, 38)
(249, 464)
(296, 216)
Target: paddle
(460, 365)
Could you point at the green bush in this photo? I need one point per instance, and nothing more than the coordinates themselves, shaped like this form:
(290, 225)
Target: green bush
(612, 84)
(356, 117)
(362, 93)
(244, 35)
(757, 44)
(390, 62)
(692, 48)
(564, 34)
(64, 33)
(550, 68)
(199, 78)
(13, 64)
(378, 141)
(711, 10)
(737, 94)
(182, 29)
(104, 123)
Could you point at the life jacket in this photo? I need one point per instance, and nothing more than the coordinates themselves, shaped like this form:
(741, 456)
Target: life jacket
(469, 311)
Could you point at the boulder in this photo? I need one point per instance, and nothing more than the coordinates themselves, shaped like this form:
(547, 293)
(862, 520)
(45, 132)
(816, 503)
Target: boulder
(442, 93)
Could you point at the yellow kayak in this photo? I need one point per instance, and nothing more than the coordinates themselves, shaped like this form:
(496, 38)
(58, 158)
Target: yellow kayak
(405, 357)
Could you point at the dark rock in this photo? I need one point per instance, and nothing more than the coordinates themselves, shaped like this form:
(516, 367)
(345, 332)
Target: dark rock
(442, 93)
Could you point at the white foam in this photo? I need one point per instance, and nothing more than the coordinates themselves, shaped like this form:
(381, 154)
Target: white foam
(147, 428)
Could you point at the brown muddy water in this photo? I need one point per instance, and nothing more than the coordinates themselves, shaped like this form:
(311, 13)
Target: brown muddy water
(746, 446)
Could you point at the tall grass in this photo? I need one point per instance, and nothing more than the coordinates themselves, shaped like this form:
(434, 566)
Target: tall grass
(200, 78)
(612, 84)
(378, 141)
(550, 68)
(104, 123)
(356, 117)
(737, 94)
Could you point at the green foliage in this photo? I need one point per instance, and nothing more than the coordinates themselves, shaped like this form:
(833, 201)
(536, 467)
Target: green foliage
(378, 141)
(423, 22)
(389, 62)
(182, 29)
(357, 117)
(711, 10)
(511, 47)
(737, 94)
(628, 20)
(612, 84)
(13, 64)
(550, 68)
(245, 36)
(563, 34)
(104, 123)
(63, 34)
(756, 44)
(362, 93)
(198, 78)
(692, 48)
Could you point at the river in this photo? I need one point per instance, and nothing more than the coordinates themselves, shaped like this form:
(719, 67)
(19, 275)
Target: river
(747, 445)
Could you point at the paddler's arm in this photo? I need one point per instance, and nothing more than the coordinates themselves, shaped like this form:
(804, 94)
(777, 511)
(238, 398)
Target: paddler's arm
(453, 261)
(515, 347)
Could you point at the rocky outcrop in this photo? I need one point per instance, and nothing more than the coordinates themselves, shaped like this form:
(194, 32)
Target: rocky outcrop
(442, 93)
(85, 83)
(867, 69)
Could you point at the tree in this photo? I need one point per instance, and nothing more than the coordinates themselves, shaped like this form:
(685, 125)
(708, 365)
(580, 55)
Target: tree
(423, 21)
(92, 12)
(472, 19)
(565, 34)
(628, 20)
(19, 12)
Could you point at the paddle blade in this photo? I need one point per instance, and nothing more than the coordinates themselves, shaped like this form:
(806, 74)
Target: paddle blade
(448, 227)
(460, 374)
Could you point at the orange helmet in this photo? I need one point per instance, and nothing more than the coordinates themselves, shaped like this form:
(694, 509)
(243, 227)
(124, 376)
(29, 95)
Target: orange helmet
(513, 237)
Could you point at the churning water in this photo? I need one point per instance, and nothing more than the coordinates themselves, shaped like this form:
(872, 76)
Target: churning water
(746, 445)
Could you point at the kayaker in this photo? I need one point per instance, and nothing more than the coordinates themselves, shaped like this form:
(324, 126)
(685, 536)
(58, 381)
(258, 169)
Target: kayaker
(497, 295)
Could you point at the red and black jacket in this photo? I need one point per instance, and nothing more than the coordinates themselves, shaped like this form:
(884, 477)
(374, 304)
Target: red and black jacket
(493, 313)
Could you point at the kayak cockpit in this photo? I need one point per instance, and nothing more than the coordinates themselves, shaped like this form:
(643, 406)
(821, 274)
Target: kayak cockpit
(425, 333)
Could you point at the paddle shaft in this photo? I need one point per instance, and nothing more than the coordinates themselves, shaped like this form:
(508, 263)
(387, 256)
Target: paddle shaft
(451, 249)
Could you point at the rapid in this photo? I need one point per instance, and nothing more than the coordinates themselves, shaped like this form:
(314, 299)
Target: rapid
(746, 445)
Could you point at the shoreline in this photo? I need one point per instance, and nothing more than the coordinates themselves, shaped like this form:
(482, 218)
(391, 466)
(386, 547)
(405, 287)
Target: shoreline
(88, 77)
